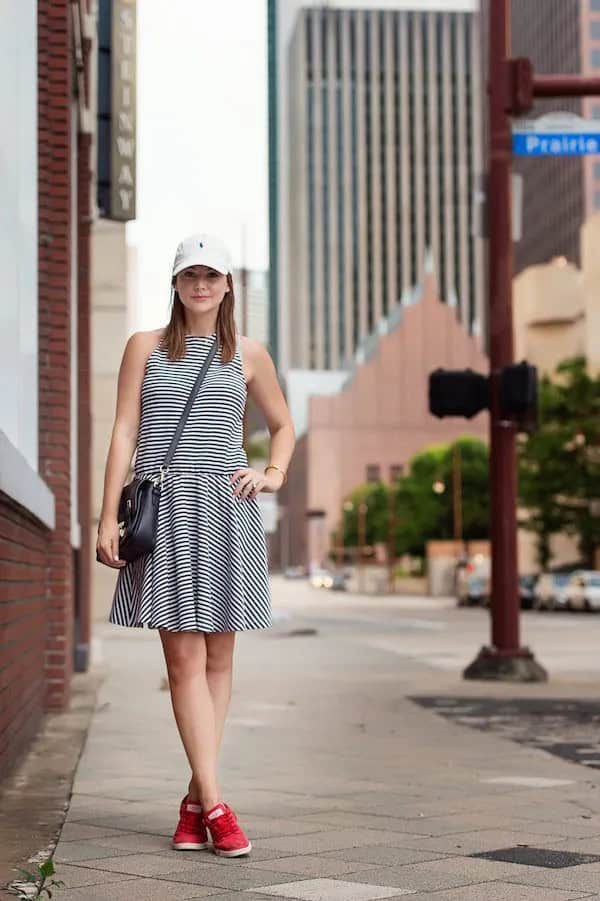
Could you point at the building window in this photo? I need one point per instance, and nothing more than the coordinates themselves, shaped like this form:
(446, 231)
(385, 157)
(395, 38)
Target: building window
(396, 472)
(595, 30)
(595, 57)
(595, 6)
(597, 200)
(373, 472)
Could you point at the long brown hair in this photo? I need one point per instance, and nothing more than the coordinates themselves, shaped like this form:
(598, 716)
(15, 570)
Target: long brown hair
(173, 338)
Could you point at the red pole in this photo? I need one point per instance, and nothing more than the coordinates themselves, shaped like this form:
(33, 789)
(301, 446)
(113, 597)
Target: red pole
(504, 596)
(505, 659)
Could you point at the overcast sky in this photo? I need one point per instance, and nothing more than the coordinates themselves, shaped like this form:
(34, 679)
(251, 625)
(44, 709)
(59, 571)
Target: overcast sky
(202, 136)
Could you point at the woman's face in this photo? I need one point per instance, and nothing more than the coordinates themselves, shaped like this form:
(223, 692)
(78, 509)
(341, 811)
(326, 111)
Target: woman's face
(201, 288)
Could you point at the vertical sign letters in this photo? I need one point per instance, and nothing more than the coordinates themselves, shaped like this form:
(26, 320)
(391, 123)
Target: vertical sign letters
(123, 131)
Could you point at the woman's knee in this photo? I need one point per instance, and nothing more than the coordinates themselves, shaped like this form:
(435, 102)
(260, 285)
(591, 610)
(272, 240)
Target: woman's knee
(185, 655)
(219, 652)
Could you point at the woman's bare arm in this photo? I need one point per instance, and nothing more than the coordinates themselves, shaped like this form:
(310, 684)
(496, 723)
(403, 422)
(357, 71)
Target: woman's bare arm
(124, 434)
(265, 390)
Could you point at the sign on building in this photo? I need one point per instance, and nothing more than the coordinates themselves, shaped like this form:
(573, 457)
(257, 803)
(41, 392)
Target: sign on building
(117, 114)
(556, 134)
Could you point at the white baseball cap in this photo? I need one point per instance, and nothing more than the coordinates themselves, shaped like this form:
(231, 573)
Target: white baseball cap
(202, 250)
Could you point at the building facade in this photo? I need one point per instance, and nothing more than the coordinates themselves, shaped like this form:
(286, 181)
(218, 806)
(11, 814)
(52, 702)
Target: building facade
(560, 37)
(371, 427)
(385, 140)
(46, 186)
(375, 120)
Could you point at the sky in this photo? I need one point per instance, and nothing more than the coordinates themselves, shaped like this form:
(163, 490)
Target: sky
(202, 138)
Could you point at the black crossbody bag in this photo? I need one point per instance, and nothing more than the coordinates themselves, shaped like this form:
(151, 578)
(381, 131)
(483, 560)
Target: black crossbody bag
(138, 505)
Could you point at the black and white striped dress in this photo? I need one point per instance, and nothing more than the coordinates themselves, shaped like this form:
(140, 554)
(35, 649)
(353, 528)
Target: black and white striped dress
(209, 569)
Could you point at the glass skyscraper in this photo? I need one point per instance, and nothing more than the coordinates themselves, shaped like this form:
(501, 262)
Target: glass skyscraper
(384, 155)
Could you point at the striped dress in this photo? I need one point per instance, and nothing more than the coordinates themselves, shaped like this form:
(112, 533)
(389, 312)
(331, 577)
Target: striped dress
(208, 571)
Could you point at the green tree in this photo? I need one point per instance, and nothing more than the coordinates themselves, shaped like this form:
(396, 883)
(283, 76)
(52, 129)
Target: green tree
(423, 515)
(419, 512)
(559, 464)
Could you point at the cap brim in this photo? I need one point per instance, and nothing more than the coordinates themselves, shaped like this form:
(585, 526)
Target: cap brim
(185, 264)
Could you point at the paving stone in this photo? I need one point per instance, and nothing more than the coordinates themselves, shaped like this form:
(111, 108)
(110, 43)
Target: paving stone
(462, 843)
(229, 878)
(137, 890)
(328, 890)
(76, 832)
(380, 855)
(501, 891)
(137, 864)
(86, 850)
(305, 865)
(236, 896)
(335, 838)
(414, 877)
(74, 876)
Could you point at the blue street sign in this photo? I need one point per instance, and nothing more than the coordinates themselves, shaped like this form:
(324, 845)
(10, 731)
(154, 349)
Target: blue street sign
(556, 134)
(555, 144)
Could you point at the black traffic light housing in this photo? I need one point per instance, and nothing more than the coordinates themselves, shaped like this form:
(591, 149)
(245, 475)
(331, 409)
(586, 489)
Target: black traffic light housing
(459, 392)
(465, 393)
(519, 394)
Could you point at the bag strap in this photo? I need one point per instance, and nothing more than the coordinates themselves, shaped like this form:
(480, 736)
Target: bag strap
(190, 401)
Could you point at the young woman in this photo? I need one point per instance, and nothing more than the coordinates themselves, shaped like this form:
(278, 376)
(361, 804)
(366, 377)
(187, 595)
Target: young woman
(207, 577)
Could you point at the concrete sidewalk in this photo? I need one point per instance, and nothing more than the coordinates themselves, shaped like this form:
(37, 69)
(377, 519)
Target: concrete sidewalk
(348, 789)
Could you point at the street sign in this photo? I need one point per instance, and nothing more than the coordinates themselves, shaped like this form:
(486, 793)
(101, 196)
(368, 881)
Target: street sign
(556, 134)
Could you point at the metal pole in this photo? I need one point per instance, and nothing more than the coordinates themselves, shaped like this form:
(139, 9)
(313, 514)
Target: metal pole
(391, 538)
(362, 535)
(457, 492)
(505, 659)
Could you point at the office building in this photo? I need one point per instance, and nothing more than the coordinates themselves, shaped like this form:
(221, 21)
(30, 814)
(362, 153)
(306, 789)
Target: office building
(384, 136)
(559, 193)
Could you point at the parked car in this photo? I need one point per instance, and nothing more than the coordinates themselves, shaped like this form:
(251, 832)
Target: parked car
(321, 578)
(338, 582)
(526, 587)
(295, 572)
(583, 590)
(473, 590)
(550, 591)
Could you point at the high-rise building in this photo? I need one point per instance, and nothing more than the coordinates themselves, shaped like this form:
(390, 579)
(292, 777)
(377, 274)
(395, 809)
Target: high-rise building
(380, 161)
(559, 193)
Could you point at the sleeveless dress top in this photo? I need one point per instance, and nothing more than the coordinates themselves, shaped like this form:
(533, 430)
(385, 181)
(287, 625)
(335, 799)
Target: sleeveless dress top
(208, 571)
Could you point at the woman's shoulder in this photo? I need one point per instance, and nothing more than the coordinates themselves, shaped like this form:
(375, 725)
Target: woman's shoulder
(251, 348)
(147, 339)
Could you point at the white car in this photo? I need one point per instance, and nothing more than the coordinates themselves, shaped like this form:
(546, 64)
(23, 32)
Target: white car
(583, 590)
(550, 591)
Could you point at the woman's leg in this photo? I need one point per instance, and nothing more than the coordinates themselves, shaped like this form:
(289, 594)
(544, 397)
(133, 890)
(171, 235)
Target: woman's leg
(219, 672)
(186, 655)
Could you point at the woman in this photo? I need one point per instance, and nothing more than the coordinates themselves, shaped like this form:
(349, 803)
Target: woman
(207, 577)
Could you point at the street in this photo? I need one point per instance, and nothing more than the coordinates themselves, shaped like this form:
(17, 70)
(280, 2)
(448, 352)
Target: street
(349, 783)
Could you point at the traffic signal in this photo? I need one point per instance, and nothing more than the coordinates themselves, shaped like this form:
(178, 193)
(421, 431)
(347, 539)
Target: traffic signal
(519, 394)
(457, 393)
(465, 393)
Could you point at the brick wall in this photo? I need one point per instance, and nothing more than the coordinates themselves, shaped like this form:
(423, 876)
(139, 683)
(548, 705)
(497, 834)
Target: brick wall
(42, 579)
(23, 547)
(54, 93)
(84, 431)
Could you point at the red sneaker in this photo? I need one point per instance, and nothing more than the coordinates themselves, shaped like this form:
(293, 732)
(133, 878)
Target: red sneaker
(228, 839)
(191, 834)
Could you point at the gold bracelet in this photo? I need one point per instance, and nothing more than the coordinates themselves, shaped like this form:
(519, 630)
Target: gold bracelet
(274, 466)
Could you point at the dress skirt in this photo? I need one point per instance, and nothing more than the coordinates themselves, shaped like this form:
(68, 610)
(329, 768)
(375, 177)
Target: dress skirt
(208, 571)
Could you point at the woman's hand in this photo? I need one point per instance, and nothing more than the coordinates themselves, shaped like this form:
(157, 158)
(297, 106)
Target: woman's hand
(271, 481)
(107, 544)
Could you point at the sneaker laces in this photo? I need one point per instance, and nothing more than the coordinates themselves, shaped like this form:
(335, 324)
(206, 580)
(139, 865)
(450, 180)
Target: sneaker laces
(226, 824)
